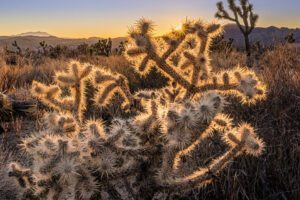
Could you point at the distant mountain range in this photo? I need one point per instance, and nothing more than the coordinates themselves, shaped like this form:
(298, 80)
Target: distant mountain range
(32, 39)
(265, 35)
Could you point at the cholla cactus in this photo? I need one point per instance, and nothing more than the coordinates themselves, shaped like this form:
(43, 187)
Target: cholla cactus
(12, 108)
(78, 158)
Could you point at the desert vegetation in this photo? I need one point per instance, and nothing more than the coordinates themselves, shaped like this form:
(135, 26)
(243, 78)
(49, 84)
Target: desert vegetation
(243, 13)
(179, 116)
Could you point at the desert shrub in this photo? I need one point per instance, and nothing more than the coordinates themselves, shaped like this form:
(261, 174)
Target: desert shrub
(218, 44)
(8, 76)
(142, 155)
(21, 76)
(222, 60)
(11, 59)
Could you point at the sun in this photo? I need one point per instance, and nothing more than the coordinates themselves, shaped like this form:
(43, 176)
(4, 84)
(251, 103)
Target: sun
(179, 27)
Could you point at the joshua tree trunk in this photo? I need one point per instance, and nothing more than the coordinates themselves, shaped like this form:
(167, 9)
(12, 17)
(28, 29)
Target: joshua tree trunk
(247, 43)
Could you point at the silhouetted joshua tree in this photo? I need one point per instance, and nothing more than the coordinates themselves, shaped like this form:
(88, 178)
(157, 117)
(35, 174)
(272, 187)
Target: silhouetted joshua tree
(245, 12)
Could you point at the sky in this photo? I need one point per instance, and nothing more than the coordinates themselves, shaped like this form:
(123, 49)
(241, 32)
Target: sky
(112, 18)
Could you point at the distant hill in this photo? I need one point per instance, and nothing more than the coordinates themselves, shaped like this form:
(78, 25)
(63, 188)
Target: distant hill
(265, 35)
(36, 34)
(32, 39)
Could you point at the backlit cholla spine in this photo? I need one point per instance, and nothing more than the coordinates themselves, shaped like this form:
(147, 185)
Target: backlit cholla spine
(78, 158)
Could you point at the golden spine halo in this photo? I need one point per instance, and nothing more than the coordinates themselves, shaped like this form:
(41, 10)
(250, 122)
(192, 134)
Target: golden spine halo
(79, 155)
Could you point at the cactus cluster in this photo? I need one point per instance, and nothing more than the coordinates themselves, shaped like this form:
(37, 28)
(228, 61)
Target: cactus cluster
(103, 47)
(78, 158)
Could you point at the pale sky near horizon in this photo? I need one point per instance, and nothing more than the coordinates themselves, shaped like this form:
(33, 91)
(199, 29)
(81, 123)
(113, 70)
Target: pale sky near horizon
(111, 18)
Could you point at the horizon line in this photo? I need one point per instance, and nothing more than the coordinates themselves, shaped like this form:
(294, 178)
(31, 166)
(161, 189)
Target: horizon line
(93, 36)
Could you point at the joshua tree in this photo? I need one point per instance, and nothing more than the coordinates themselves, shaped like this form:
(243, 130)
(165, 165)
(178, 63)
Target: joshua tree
(245, 12)
(56, 51)
(44, 46)
(83, 49)
(19, 50)
(121, 47)
(108, 47)
(103, 47)
(290, 38)
(79, 158)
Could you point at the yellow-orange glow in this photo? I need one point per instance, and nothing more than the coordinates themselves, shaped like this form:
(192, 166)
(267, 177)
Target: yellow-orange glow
(178, 27)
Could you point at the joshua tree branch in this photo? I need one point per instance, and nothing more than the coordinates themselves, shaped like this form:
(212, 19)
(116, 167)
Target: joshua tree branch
(236, 19)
